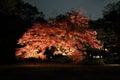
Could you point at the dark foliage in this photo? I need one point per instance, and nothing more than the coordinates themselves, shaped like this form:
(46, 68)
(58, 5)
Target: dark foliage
(15, 17)
(108, 29)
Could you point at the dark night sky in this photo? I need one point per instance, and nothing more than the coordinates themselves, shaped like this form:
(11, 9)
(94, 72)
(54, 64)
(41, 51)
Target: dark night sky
(51, 8)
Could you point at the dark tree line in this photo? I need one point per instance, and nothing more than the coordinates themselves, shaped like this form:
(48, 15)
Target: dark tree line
(108, 28)
(15, 17)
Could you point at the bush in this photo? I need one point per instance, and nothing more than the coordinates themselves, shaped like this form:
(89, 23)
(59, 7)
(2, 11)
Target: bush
(113, 59)
(92, 62)
(29, 60)
(61, 59)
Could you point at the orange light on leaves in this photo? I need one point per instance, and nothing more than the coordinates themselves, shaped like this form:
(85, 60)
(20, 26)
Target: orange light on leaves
(67, 42)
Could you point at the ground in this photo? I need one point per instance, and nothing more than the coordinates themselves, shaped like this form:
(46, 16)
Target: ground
(59, 72)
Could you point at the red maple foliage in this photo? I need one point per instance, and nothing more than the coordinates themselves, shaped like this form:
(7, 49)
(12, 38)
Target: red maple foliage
(69, 38)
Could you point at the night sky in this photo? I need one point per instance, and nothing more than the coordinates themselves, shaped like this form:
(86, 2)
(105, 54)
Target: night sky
(90, 8)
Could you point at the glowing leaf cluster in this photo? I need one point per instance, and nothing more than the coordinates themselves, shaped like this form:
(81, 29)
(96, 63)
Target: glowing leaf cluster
(68, 42)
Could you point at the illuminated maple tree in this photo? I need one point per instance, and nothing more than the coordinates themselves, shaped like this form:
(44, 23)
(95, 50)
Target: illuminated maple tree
(67, 41)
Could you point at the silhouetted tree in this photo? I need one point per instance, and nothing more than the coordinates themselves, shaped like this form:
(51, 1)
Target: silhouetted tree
(50, 52)
(8, 6)
(111, 15)
(108, 27)
(27, 12)
(40, 18)
(15, 17)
